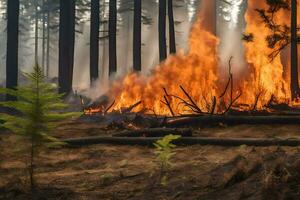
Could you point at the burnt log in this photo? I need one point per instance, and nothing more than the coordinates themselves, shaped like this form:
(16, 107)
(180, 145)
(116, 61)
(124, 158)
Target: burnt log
(148, 141)
(232, 120)
(154, 132)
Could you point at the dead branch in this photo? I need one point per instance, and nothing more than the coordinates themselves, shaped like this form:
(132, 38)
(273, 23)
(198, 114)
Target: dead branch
(130, 108)
(167, 103)
(109, 107)
(256, 101)
(231, 79)
(232, 120)
(183, 141)
(232, 102)
(154, 132)
(225, 90)
(191, 99)
(229, 82)
(213, 105)
(187, 104)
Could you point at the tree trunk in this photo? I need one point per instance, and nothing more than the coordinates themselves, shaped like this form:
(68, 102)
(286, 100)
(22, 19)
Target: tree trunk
(36, 37)
(94, 40)
(172, 38)
(209, 15)
(44, 38)
(48, 44)
(12, 45)
(294, 52)
(137, 36)
(162, 30)
(66, 45)
(112, 26)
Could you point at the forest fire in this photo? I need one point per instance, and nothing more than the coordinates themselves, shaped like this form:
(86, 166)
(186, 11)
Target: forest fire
(192, 82)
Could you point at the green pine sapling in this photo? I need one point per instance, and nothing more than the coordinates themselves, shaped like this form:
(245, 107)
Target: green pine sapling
(164, 151)
(38, 104)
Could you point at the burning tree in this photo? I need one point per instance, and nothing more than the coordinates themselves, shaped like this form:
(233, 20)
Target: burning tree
(282, 35)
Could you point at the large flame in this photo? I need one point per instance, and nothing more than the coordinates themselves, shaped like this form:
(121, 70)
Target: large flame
(197, 72)
(194, 71)
(266, 77)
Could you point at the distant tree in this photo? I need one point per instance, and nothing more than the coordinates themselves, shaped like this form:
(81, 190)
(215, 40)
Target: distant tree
(172, 37)
(94, 40)
(282, 35)
(66, 45)
(137, 35)
(112, 29)
(12, 45)
(162, 29)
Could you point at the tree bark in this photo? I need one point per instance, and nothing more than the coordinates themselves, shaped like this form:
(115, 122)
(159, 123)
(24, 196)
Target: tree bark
(66, 45)
(94, 40)
(36, 37)
(112, 26)
(172, 38)
(183, 141)
(162, 30)
(154, 132)
(294, 52)
(48, 43)
(12, 45)
(137, 36)
(44, 38)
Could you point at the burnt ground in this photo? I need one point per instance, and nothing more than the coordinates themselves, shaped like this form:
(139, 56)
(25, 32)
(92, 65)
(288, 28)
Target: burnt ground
(130, 172)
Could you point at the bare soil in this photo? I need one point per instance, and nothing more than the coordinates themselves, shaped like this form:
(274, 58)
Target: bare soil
(131, 172)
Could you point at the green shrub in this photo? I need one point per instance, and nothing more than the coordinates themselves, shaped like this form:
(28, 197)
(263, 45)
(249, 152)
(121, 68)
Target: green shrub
(164, 152)
(37, 104)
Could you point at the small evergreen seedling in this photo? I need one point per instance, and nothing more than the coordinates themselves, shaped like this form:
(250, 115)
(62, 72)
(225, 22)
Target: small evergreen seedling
(164, 151)
(37, 104)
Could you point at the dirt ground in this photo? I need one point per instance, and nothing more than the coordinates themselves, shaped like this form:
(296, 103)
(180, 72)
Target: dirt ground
(131, 172)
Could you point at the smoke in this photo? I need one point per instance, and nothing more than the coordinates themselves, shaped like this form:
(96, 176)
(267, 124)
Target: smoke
(98, 89)
(184, 17)
(231, 25)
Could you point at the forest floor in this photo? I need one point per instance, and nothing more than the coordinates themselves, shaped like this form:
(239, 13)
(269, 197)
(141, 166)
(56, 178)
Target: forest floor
(131, 172)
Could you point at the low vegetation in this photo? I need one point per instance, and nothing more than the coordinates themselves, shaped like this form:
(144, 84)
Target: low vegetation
(33, 114)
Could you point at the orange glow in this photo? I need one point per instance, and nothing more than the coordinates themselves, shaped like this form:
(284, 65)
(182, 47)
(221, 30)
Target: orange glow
(265, 76)
(197, 72)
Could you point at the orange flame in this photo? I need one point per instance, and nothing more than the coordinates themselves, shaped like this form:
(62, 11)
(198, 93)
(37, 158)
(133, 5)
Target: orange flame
(197, 72)
(265, 76)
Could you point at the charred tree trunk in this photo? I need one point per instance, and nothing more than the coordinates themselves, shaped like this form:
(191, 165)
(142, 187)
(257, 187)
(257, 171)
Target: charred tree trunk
(148, 141)
(12, 45)
(66, 45)
(162, 30)
(137, 36)
(294, 52)
(112, 26)
(171, 28)
(94, 40)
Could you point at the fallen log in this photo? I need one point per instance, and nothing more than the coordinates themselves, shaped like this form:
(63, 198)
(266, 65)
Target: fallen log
(154, 132)
(232, 120)
(184, 141)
